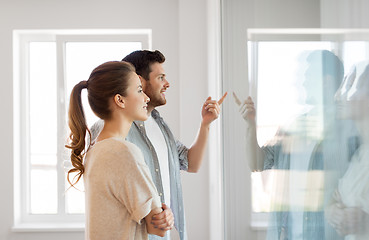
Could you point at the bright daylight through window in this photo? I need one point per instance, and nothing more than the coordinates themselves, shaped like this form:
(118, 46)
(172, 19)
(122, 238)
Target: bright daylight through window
(279, 67)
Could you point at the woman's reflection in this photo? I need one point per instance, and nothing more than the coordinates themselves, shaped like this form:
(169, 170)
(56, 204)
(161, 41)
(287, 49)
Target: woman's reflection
(349, 212)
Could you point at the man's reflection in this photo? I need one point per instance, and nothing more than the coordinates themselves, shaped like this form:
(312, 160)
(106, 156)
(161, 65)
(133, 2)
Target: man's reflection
(298, 152)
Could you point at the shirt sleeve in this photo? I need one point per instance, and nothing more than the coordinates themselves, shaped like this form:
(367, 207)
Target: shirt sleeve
(268, 157)
(136, 189)
(182, 155)
(95, 130)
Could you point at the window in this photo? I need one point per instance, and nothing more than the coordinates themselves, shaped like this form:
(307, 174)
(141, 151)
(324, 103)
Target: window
(47, 64)
(275, 77)
(277, 73)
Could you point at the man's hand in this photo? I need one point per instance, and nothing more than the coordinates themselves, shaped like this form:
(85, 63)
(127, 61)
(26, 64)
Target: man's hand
(211, 109)
(163, 220)
(247, 108)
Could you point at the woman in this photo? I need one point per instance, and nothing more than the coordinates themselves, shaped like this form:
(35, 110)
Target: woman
(121, 198)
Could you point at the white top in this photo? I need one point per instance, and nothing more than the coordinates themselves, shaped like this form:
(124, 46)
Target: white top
(353, 187)
(157, 139)
(119, 190)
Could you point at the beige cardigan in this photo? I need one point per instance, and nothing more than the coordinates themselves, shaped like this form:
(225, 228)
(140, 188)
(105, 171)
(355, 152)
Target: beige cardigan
(119, 191)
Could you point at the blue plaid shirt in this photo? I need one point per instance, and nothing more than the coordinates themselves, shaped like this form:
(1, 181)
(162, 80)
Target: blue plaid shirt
(177, 157)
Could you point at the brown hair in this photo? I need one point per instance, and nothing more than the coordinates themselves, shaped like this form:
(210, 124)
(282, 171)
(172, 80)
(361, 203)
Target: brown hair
(142, 61)
(104, 83)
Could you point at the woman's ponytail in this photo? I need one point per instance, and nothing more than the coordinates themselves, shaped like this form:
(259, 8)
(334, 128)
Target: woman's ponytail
(78, 126)
(105, 81)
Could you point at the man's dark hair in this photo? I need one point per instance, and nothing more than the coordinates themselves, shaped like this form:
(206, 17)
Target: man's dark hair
(142, 61)
(324, 63)
(328, 63)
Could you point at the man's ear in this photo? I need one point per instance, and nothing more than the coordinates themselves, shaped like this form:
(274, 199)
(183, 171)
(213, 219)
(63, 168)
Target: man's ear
(118, 99)
(143, 82)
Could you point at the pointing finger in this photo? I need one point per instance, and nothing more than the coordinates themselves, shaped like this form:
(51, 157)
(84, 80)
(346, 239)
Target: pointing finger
(222, 99)
(236, 99)
(249, 100)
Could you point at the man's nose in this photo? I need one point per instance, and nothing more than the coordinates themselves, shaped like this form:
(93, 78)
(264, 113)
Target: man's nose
(166, 84)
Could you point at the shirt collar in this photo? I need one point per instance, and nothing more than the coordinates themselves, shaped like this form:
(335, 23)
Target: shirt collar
(141, 124)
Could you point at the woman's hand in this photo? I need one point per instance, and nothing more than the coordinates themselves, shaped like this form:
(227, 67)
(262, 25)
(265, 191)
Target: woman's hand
(163, 220)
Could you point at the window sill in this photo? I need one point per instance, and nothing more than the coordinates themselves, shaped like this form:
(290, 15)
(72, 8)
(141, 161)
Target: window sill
(259, 221)
(259, 225)
(49, 227)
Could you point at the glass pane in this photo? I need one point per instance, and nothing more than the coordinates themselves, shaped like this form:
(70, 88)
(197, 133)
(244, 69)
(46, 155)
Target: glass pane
(81, 59)
(280, 74)
(43, 190)
(280, 70)
(75, 197)
(44, 160)
(42, 100)
(43, 127)
(308, 114)
(354, 52)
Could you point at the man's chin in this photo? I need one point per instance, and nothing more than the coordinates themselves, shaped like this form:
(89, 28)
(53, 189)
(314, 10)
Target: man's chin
(159, 103)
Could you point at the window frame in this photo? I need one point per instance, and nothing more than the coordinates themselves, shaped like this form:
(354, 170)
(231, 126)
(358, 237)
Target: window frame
(259, 221)
(236, 174)
(23, 220)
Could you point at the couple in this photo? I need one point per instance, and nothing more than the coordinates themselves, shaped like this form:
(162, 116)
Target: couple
(131, 166)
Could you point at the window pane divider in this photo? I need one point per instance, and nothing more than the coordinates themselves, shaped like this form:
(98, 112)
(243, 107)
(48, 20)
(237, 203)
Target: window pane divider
(61, 114)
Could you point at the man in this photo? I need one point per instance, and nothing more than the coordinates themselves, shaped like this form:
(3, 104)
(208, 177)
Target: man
(164, 155)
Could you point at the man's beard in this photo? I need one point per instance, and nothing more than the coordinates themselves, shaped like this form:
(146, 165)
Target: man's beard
(157, 101)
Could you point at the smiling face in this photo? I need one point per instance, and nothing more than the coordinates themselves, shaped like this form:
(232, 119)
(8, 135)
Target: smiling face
(155, 87)
(135, 101)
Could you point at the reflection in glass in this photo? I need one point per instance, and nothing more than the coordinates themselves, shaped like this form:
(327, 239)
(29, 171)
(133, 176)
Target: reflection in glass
(348, 212)
(280, 94)
(301, 137)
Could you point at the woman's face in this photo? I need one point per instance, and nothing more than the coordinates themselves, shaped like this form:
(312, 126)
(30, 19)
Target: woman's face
(135, 101)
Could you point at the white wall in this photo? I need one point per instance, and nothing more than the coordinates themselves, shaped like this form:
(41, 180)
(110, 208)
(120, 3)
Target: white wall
(193, 85)
(178, 28)
(344, 14)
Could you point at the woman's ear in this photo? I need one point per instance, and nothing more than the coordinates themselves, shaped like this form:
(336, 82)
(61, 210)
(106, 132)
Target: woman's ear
(118, 99)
